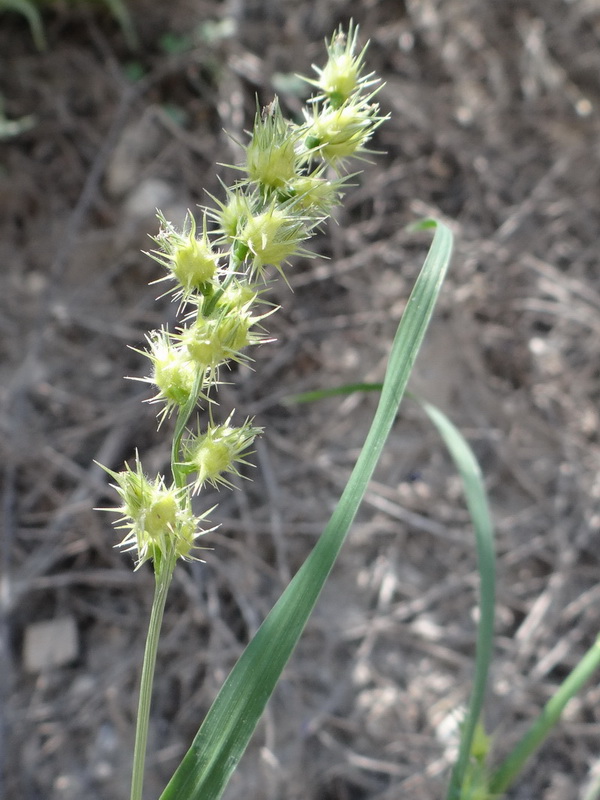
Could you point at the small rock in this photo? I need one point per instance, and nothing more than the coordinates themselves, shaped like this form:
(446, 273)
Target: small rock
(150, 194)
(49, 644)
(139, 144)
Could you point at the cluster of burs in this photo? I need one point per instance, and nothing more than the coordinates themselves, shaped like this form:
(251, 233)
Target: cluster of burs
(292, 177)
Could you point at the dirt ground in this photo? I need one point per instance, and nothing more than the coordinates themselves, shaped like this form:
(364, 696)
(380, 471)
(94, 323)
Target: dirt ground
(494, 127)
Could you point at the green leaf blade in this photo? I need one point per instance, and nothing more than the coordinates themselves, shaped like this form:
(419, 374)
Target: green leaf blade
(224, 735)
(477, 503)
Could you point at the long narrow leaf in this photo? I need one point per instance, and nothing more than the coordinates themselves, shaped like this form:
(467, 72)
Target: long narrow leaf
(475, 494)
(476, 498)
(219, 744)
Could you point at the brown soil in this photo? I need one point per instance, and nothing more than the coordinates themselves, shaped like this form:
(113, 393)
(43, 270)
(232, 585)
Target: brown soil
(494, 127)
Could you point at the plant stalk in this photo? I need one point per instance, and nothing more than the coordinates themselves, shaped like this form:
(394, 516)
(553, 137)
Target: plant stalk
(163, 577)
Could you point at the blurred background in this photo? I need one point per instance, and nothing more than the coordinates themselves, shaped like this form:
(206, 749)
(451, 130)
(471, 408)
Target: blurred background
(494, 122)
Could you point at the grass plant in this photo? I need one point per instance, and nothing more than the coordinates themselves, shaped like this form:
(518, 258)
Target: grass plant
(217, 272)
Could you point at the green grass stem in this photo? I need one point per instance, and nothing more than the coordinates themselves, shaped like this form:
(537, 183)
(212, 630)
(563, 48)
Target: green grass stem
(161, 587)
(503, 778)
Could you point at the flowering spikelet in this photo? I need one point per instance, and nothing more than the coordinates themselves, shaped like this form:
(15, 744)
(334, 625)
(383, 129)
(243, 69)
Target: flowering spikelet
(231, 215)
(271, 159)
(174, 372)
(341, 78)
(343, 116)
(239, 295)
(315, 194)
(211, 341)
(158, 518)
(336, 134)
(273, 236)
(190, 260)
(293, 177)
(213, 455)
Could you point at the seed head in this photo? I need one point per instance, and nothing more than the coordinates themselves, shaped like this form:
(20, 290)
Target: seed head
(271, 159)
(231, 215)
(341, 78)
(273, 236)
(314, 194)
(190, 260)
(213, 340)
(213, 455)
(239, 295)
(158, 519)
(174, 373)
(336, 134)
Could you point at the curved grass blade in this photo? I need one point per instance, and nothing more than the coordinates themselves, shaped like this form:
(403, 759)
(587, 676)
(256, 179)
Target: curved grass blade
(226, 731)
(476, 497)
(33, 17)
